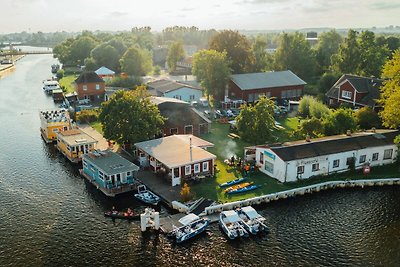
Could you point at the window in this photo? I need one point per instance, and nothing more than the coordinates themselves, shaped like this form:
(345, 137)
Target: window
(176, 172)
(336, 163)
(128, 173)
(261, 157)
(178, 97)
(84, 87)
(192, 97)
(174, 130)
(189, 129)
(97, 86)
(188, 170)
(363, 158)
(300, 169)
(197, 168)
(55, 130)
(315, 167)
(101, 175)
(269, 167)
(387, 154)
(85, 165)
(375, 156)
(347, 94)
(205, 166)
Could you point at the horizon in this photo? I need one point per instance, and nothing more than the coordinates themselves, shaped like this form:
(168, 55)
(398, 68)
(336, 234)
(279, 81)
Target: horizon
(242, 15)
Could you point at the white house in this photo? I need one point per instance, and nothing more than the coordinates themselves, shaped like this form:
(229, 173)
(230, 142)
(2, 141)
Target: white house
(172, 89)
(293, 161)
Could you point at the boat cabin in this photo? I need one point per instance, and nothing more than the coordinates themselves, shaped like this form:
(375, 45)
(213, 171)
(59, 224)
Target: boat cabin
(53, 122)
(74, 144)
(50, 85)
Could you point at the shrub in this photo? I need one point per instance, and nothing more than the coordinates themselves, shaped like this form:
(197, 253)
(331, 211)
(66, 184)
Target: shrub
(88, 116)
(60, 74)
(186, 194)
(367, 118)
(125, 82)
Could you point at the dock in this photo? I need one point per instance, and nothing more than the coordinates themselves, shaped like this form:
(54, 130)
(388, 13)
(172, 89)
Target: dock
(166, 223)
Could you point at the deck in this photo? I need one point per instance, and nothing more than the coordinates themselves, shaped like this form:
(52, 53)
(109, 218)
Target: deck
(166, 223)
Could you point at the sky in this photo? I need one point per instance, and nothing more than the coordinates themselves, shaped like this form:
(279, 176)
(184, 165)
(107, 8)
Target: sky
(114, 15)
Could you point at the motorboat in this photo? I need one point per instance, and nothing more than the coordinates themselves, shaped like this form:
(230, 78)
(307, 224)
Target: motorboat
(190, 226)
(233, 182)
(230, 223)
(147, 196)
(251, 220)
(50, 85)
(243, 189)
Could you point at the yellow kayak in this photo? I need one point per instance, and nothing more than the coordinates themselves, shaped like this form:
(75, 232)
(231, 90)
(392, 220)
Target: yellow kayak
(238, 186)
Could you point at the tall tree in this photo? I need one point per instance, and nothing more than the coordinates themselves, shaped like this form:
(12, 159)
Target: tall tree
(136, 62)
(211, 69)
(373, 56)
(175, 53)
(238, 50)
(349, 56)
(340, 121)
(255, 123)
(129, 116)
(294, 53)
(81, 48)
(263, 60)
(328, 45)
(106, 55)
(390, 92)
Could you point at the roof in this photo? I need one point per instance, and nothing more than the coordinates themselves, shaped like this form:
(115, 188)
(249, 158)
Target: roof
(250, 81)
(333, 144)
(156, 100)
(250, 212)
(89, 77)
(174, 151)
(196, 141)
(104, 71)
(165, 86)
(231, 216)
(368, 85)
(110, 162)
(76, 137)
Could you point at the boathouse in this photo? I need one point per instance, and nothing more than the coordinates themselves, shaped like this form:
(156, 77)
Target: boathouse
(294, 161)
(74, 144)
(53, 122)
(177, 157)
(109, 172)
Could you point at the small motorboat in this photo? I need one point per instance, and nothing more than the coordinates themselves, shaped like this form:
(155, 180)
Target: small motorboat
(251, 220)
(191, 225)
(128, 215)
(147, 196)
(238, 186)
(244, 189)
(233, 182)
(230, 223)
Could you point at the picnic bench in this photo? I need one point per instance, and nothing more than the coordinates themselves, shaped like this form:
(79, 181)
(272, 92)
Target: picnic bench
(233, 136)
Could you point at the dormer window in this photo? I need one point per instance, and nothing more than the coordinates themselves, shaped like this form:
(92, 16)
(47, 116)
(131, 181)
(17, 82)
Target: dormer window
(347, 94)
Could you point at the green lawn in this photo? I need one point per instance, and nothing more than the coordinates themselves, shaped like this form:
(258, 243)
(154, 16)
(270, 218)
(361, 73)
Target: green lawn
(97, 126)
(67, 83)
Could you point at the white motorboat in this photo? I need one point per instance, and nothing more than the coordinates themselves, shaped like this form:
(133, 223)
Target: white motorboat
(191, 225)
(50, 85)
(230, 224)
(251, 220)
(147, 196)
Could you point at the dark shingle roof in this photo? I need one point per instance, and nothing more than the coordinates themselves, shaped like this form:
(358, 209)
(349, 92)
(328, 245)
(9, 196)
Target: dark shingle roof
(249, 81)
(165, 86)
(333, 144)
(89, 77)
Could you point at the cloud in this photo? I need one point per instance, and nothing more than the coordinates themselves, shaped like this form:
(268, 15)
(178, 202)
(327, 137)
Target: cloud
(385, 5)
(118, 14)
(186, 9)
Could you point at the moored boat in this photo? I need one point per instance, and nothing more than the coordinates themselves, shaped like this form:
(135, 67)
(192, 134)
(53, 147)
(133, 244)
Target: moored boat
(128, 215)
(238, 186)
(244, 189)
(147, 196)
(191, 225)
(251, 220)
(50, 85)
(230, 223)
(233, 182)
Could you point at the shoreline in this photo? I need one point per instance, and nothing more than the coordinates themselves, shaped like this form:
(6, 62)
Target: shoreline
(9, 67)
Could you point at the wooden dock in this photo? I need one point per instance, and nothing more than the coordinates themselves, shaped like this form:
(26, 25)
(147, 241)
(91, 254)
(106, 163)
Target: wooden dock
(166, 223)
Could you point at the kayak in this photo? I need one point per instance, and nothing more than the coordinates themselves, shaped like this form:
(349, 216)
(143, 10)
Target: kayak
(244, 189)
(234, 187)
(122, 215)
(229, 183)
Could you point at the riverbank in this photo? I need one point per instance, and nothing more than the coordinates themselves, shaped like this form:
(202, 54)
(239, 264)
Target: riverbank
(7, 68)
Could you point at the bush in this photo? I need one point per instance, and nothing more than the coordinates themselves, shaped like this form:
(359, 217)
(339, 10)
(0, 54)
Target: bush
(186, 195)
(87, 116)
(367, 118)
(124, 82)
(60, 74)
(157, 70)
(318, 110)
(304, 105)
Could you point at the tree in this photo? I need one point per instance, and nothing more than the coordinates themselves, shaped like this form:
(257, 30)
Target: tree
(263, 60)
(186, 194)
(129, 116)
(304, 105)
(136, 62)
(255, 123)
(319, 110)
(373, 56)
(328, 45)
(211, 69)
(367, 118)
(238, 50)
(390, 92)
(175, 53)
(81, 48)
(328, 79)
(63, 51)
(339, 122)
(106, 55)
(312, 127)
(348, 58)
(294, 53)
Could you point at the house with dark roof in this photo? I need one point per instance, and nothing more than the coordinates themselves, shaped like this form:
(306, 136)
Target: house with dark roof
(294, 161)
(279, 84)
(172, 89)
(354, 90)
(90, 86)
(181, 117)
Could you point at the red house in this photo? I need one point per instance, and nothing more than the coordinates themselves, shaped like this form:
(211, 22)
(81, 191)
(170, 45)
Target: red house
(354, 90)
(90, 86)
(250, 87)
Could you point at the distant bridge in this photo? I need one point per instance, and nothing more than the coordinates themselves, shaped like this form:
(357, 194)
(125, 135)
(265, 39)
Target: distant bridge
(16, 53)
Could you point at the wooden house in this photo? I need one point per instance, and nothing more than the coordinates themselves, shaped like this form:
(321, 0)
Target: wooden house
(74, 143)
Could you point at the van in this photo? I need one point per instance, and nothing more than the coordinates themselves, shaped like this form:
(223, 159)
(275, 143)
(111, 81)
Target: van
(203, 102)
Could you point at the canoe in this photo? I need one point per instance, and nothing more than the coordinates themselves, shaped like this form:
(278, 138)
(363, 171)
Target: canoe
(238, 186)
(233, 182)
(122, 215)
(244, 189)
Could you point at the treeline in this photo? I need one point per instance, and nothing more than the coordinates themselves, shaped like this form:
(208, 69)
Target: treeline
(36, 39)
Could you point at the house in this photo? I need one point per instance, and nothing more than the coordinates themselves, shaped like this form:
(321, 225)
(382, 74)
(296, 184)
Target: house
(74, 144)
(181, 117)
(294, 161)
(279, 84)
(354, 90)
(90, 86)
(173, 89)
(109, 172)
(178, 157)
(105, 73)
(53, 122)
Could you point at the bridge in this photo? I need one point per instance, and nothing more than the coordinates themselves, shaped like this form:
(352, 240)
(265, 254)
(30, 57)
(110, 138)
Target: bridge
(16, 53)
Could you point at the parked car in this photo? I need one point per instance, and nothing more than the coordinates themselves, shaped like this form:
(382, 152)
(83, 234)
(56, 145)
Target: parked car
(203, 102)
(218, 113)
(229, 113)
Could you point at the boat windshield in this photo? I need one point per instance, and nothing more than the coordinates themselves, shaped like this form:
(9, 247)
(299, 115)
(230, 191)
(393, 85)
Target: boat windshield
(188, 219)
(250, 212)
(231, 216)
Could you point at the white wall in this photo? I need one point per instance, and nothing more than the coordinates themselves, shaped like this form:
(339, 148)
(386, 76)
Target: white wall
(185, 93)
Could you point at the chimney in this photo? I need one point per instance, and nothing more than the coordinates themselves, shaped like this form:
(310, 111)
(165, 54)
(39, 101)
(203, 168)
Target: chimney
(190, 144)
(348, 133)
(308, 138)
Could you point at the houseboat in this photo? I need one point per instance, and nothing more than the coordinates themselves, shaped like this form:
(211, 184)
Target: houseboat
(109, 172)
(230, 223)
(53, 122)
(50, 85)
(74, 144)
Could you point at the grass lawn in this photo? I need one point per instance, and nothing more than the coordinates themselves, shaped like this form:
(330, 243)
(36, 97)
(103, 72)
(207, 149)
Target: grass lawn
(67, 83)
(97, 126)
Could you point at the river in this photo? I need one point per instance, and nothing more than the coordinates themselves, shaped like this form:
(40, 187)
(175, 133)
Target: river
(50, 216)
